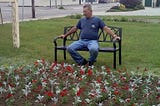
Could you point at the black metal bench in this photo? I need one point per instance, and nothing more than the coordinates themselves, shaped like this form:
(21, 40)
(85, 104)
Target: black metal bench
(106, 43)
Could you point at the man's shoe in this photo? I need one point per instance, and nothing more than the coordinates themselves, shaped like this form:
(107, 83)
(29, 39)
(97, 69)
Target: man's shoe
(84, 62)
(90, 63)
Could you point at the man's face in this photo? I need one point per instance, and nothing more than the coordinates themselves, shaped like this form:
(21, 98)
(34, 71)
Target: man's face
(87, 13)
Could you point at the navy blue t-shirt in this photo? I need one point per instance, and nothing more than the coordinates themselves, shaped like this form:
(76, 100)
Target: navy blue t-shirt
(89, 27)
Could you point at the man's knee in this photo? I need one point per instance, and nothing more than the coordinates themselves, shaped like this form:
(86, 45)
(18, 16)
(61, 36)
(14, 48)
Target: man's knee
(93, 50)
(69, 49)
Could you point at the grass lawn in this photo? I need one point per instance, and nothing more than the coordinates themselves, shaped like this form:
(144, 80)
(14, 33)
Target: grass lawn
(139, 44)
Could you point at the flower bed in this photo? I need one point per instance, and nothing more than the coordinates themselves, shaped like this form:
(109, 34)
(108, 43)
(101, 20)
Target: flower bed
(53, 84)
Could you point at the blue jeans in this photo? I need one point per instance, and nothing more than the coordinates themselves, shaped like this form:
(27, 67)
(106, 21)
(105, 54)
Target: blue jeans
(92, 46)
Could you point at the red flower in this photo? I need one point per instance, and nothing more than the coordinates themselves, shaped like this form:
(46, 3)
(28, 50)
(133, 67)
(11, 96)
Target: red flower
(1, 84)
(9, 95)
(114, 85)
(99, 80)
(38, 88)
(125, 87)
(63, 92)
(53, 65)
(116, 92)
(123, 78)
(89, 73)
(128, 100)
(108, 70)
(80, 79)
(12, 85)
(36, 64)
(82, 72)
(158, 97)
(70, 69)
(133, 104)
(103, 89)
(92, 95)
(49, 93)
(80, 91)
(34, 80)
(43, 61)
(45, 80)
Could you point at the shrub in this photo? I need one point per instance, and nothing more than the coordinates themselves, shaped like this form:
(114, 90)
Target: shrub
(76, 16)
(122, 7)
(61, 7)
(131, 3)
(123, 19)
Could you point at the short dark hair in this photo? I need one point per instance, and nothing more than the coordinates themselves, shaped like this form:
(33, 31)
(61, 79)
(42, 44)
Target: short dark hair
(88, 6)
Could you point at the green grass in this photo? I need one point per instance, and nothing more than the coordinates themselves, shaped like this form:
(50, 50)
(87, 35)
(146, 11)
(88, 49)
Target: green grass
(139, 44)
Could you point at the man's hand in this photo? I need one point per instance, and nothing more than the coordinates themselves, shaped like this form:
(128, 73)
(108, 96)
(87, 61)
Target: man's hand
(115, 37)
(62, 36)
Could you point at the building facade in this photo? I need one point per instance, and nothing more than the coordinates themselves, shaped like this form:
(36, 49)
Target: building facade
(151, 3)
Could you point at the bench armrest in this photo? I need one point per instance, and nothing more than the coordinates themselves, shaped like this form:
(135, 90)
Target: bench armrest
(55, 40)
(116, 41)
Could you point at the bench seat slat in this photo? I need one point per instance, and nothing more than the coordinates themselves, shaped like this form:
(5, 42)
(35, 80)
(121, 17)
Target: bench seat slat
(85, 49)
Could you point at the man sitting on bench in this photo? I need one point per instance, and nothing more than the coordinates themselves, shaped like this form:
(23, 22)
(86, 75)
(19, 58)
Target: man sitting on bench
(89, 26)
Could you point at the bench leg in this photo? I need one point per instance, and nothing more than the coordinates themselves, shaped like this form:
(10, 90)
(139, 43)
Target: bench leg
(120, 57)
(55, 54)
(114, 60)
(64, 54)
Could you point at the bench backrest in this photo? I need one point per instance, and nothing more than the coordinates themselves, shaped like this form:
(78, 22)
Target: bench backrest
(102, 36)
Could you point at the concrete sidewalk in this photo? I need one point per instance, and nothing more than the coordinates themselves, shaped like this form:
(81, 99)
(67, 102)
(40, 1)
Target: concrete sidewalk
(148, 11)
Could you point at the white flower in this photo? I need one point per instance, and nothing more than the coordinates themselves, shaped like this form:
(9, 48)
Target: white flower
(55, 100)
(57, 90)
(52, 81)
(100, 104)
(88, 100)
(5, 84)
(1, 90)
(77, 99)
(11, 89)
(27, 89)
(17, 78)
(39, 97)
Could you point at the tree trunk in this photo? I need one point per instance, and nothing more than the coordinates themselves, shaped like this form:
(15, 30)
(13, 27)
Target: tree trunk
(33, 9)
(15, 25)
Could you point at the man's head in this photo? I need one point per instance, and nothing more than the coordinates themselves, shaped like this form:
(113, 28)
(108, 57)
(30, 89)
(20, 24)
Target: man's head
(87, 10)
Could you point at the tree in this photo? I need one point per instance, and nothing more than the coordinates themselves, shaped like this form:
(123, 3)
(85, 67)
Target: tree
(131, 3)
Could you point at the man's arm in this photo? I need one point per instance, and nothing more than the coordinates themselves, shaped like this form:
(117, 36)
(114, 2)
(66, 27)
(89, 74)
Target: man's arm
(108, 30)
(72, 30)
